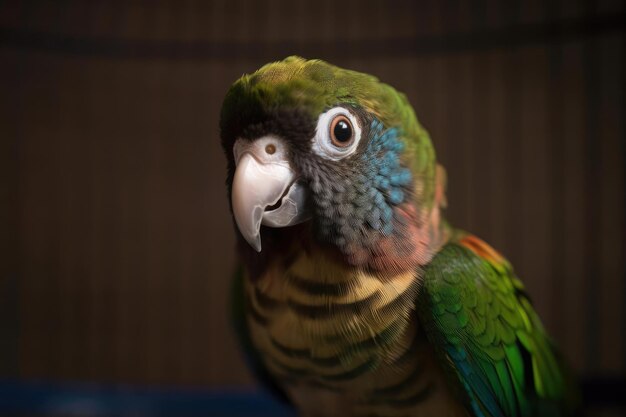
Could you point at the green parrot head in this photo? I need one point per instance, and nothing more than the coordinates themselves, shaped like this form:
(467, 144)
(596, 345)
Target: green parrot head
(328, 158)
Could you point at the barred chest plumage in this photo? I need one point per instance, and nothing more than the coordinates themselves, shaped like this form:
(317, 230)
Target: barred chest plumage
(343, 342)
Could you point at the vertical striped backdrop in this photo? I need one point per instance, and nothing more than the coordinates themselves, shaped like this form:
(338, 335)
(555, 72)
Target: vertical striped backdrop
(117, 245)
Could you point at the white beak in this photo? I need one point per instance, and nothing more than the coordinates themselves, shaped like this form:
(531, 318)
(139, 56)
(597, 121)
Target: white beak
(264, 176)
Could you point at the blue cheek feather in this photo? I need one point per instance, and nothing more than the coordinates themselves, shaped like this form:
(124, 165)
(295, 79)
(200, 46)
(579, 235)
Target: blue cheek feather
(387, 177)
(400, 178)
(353, 214)
(396, 196)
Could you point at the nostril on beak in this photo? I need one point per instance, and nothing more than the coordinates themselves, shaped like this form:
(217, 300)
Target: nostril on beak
(270, 148)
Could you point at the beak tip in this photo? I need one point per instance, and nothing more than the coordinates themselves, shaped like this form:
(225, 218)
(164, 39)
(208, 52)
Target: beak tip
(255, 242)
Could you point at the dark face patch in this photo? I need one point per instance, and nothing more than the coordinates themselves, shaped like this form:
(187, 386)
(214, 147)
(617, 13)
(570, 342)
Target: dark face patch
(296, 128)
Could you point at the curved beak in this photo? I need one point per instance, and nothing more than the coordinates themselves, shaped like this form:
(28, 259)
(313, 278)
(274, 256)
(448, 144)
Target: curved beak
(261, 184)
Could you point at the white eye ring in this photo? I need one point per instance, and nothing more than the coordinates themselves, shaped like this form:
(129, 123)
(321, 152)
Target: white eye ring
(323, 144)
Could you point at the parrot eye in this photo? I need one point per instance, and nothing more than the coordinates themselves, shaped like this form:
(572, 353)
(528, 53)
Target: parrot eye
(341, 131)
(337, 135)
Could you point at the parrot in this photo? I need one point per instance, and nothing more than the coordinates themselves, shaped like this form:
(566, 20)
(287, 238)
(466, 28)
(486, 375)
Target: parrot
(353, 295)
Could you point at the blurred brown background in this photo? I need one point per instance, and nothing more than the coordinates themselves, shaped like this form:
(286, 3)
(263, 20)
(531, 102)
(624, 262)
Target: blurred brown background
(117, 244)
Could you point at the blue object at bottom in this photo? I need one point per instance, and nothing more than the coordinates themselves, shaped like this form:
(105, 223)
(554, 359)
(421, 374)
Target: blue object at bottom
(77, 399)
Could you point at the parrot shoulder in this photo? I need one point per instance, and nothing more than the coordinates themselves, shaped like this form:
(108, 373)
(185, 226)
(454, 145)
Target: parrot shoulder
(487, 335)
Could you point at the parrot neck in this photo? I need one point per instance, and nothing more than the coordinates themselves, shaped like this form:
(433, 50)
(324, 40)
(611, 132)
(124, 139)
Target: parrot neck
(415, 241)
(418, 235)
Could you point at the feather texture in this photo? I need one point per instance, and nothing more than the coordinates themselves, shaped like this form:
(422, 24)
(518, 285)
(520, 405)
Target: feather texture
(376, 306)
(478, 317)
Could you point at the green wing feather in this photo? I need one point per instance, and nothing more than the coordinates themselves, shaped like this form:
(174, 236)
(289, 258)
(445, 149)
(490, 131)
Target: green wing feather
(482, 324)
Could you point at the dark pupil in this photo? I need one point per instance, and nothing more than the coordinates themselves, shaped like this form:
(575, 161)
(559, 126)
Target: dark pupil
(342, 131)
